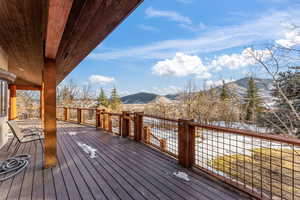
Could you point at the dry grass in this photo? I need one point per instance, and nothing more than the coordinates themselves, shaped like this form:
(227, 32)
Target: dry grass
(274, 172)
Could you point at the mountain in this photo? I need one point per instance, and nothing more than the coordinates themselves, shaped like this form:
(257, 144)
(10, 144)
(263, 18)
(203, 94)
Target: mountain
(239, 87)
(139, 98)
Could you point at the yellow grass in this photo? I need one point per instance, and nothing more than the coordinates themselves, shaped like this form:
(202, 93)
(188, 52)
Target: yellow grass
(272, 171)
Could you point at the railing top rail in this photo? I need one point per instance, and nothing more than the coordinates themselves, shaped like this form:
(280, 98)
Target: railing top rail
(162, 118)
(267, 136)
(110, 113)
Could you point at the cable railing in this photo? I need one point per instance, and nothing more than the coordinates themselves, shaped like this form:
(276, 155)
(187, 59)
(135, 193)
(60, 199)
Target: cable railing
(266, 166)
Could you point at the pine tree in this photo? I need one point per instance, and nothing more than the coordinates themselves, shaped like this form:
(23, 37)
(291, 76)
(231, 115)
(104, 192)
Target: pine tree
(102, 99)
(115, 100)
(224, 93)
(252, 101)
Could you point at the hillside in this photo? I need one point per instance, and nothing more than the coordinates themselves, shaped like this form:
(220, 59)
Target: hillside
(139, 98)
(239, 87)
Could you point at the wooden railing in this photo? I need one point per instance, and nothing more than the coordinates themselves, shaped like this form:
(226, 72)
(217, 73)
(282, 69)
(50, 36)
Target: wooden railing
(265, 166)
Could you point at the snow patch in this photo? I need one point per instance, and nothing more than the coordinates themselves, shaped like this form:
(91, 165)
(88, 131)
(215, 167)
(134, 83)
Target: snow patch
(182, 175)
(72, 133)
(88, 149)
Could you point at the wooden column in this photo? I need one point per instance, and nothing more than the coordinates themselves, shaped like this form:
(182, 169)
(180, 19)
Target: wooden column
(42, 105)
(125, 124)
(109, 121)
(186, 143)
(79, 116)
(66, 114)
(12, 102)
(138, 126)
(98, 120)
(50, 113)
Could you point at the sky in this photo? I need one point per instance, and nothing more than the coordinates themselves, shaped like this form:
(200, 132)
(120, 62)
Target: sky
(164, 44)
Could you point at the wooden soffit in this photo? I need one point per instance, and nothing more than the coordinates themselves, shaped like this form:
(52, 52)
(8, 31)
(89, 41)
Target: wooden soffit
(63, 30)
(22, 33)
(89, 23)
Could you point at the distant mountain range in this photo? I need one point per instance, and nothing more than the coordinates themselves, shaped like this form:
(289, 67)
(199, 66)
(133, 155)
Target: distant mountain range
(240, 87)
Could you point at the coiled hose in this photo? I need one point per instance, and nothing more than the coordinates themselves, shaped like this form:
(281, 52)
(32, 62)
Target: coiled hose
(13, 166)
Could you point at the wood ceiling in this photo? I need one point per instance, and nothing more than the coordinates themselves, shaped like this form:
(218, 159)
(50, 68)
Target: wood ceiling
(67, 30)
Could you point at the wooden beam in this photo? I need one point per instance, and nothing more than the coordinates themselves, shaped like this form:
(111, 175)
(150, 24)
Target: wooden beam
(50, 113)
(42, 102)
(26, 87)
(12, 102)
(57, 18)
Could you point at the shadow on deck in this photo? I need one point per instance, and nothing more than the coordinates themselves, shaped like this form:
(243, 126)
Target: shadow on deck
(123, 169)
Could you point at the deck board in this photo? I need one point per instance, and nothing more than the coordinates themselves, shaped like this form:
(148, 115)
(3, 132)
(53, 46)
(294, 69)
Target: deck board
(123, 169)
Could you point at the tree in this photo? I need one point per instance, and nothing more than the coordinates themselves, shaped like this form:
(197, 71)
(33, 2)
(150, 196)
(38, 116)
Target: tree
(115, 100)
(252, 101)
(224, 93)
(67, 92)
(102, 99)
(283, 116)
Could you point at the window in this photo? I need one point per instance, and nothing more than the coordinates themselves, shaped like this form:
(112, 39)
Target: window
(3, 97)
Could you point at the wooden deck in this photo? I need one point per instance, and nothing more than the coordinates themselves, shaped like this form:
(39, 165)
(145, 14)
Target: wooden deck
(123, 169)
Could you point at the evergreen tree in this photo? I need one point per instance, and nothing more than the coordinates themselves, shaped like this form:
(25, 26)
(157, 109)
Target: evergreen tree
(224, 93)
(102, 99)
(252, 101)
(289, 83)
(115, 100)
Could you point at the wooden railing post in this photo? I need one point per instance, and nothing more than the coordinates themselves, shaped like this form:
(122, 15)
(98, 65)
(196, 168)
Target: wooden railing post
(147, 134)
(109, 122)
(102, 118)
(98, 120)
(79, 117)
(125, 124)
(66, 114)
(186, 143)
(138, 126)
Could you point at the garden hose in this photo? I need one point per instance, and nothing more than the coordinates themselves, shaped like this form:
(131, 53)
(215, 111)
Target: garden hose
(13, 166)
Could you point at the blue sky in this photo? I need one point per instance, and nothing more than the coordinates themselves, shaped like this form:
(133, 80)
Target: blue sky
(165, 43)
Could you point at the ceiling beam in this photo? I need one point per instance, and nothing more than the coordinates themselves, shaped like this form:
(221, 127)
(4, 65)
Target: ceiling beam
(58, 14)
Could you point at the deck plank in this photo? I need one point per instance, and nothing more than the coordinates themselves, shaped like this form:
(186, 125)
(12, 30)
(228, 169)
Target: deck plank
(123, 169)
(84, 173)
(142, 190)
(8, 186)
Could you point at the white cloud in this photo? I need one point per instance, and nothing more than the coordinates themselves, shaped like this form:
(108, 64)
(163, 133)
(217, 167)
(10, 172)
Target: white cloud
(98, 79)
(238, 60)
(199, 27)
(181, 65)
(292, 38)
(264, 28)
(211, 83)
(148, 28)
(170, 15)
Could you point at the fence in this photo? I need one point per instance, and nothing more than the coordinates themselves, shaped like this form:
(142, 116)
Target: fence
(265, 166)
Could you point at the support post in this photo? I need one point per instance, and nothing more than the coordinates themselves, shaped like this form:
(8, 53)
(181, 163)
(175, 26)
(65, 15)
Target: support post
(98, 120)
(12, 102)
(66, 114)
(138, 126)
(42, 105)
(102, 119)
(186, 143)
(79, 115)
(147, 134)
(125, 124)
(109, 121)
(49, 77)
